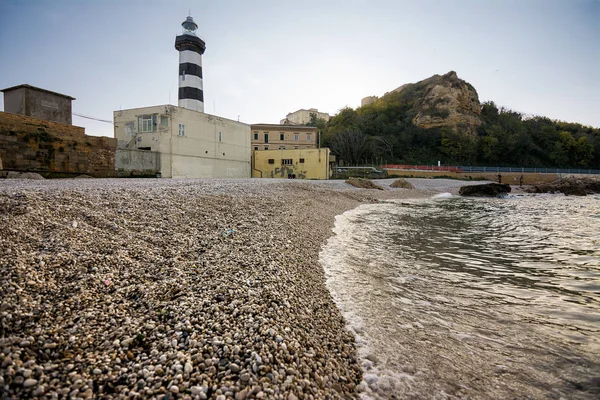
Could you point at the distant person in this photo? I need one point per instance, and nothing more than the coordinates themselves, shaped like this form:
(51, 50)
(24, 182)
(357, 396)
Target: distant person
(499, 178)
(521, 181)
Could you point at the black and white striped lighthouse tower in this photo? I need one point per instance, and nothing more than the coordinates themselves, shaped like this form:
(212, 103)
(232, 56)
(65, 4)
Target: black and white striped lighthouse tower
(190, 48)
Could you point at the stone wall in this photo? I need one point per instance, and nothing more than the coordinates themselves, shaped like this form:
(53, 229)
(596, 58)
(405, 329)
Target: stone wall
(53, 149)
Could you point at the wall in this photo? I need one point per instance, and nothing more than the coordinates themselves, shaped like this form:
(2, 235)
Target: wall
(315, 166)
(511, 178)
(130, 162)
(289, 132)
(50, 148)
(14, 101)
(197, 153)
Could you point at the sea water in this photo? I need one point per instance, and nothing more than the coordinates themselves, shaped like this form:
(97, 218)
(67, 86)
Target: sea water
(455, 297)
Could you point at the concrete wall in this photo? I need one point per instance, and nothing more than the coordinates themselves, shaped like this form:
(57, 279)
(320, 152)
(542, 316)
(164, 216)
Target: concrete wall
(315, 163)
(130, 162)
(50, 148)
(38, 104)
(512, 178)
(208, 147)
(307, 137)
(14, 101)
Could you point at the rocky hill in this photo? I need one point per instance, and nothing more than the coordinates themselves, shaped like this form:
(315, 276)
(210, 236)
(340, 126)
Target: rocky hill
(438, 101)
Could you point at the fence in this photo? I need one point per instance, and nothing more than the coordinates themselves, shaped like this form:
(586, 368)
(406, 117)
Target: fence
(492, 169)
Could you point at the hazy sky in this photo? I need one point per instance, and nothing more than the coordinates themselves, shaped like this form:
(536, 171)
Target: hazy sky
(266, 58)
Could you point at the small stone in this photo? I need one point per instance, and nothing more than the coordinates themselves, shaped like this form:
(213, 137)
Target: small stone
(245, 377)
(97, 371)
(221, 397)
(196, 390)
(74, 224)
(188, 368)
(30, 382)
(234, 367)
(241, 395)
(292, 396)
(174, 389)
(39, 390)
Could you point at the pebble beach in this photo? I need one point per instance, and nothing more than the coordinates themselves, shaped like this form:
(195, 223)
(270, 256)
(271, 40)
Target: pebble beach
(175, 288)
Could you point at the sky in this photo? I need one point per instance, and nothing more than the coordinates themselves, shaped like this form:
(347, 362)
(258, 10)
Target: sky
(267, 58)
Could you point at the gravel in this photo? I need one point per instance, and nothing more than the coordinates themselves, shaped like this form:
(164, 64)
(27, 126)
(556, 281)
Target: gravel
(169, 289)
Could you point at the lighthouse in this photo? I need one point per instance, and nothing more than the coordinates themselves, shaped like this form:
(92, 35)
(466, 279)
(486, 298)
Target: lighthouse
(190, 48)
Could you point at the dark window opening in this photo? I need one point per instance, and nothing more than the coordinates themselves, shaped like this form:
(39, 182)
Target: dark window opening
(286, 161)
(302, 161)
(271, 161)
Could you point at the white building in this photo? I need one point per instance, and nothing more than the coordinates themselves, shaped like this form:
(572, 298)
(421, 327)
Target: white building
(190, 144)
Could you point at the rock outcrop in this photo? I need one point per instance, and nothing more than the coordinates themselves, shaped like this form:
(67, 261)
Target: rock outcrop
(444, 101)
(485, 190)
(437, 102)
(571, 186)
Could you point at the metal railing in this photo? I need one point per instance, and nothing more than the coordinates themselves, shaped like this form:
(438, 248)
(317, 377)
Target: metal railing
(582, 171)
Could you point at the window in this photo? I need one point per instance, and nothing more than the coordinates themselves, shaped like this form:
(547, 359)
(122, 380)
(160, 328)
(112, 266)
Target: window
(220, 137)
(302, 161)
(181, 130)
(296, 137)
(271, 161)
(255, 147)
(286, 161)
(255, 135)
(281, 136)
(296, 147)
(147, 123)
(281, 147)
(164, 121)
(266, 138)
(308, 137)
(183, 76)
(266, 147)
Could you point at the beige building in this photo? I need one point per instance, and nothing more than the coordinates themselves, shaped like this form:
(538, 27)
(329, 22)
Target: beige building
(190, 144)
(302, 116)
(281, 137)
(300, 163)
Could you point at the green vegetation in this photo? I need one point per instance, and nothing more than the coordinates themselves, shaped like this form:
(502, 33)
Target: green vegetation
(383, 131)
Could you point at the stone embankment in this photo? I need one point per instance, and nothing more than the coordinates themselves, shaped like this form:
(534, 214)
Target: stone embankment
(172, 289)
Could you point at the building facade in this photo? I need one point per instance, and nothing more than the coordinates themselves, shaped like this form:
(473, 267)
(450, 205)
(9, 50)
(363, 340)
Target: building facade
(299, 163)
(189, 144)
(302, 116)
(282, 137)
(38, 103)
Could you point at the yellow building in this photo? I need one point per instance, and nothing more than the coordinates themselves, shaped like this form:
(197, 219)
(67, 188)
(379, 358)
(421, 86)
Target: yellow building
(283, 137)
(295, 163)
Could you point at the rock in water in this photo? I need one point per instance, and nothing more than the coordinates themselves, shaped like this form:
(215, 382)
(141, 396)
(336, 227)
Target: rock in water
(485, 190)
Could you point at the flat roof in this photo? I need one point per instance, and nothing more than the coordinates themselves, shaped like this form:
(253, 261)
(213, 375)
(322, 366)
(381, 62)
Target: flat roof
(25, 86)
(283, 127)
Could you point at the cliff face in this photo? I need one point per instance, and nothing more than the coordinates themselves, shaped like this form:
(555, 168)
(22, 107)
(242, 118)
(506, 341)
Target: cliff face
(442, 101)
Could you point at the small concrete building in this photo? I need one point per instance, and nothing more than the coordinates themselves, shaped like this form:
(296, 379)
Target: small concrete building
(38, 103)
(299, 163)
(281, 137)
(302, 116)
(188, 143)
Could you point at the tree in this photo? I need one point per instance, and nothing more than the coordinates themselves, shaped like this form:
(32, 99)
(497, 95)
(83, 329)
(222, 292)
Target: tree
(318, 123)
(349, 145)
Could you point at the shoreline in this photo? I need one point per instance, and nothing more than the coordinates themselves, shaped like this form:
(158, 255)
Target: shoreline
(140, 287)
